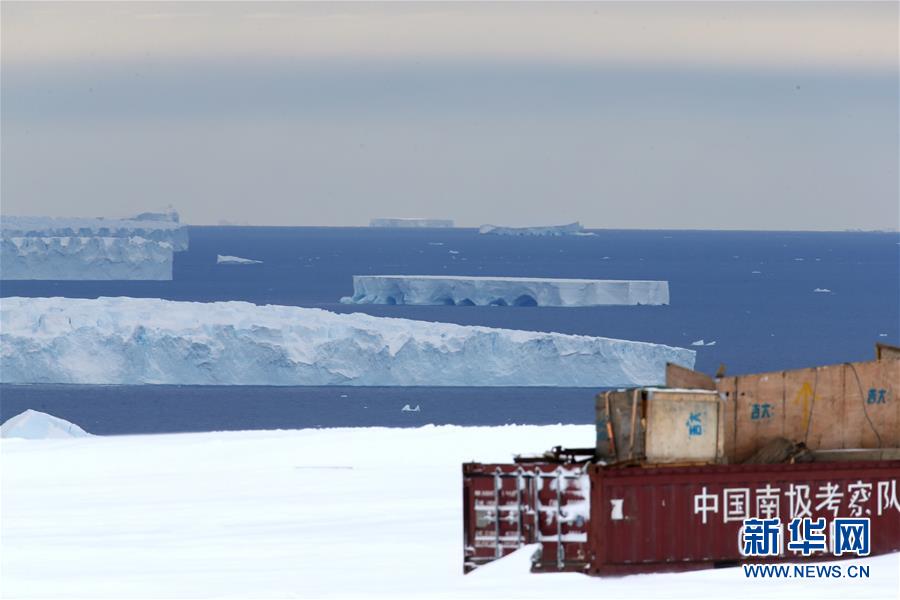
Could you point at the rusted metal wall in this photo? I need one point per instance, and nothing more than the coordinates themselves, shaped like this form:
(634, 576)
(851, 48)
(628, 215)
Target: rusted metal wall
(662, 519)
(851, 405)
(682, 518)
(506, 506)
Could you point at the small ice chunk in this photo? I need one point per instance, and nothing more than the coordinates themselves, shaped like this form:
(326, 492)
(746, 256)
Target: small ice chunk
(822, 291)
(698, 343)
(408, 408)
(224, 259)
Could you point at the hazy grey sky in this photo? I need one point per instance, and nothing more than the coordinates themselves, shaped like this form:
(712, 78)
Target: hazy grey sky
(684, 115)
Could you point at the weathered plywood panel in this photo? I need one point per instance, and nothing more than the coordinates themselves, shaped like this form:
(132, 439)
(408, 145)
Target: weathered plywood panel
(871, 392)
(726, 387)
(682, 427)
(759, 412)
(851, 405)
(816, 399)
(624, 421)
(886, 352)
(681, 377)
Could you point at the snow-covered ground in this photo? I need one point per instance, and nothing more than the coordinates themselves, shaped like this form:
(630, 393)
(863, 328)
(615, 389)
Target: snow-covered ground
(503, 291)
(148, 340)
(311, 513)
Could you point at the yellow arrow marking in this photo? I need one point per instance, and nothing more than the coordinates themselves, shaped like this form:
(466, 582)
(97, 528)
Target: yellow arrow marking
(804, 395)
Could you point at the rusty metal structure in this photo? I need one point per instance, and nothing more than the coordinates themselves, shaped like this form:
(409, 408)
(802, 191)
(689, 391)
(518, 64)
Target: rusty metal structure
(676, 469)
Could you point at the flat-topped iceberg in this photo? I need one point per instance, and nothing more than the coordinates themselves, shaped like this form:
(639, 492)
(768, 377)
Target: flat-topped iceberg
(91, 249)
(36, 425)
(159, 231)
(410, 222)
(224, 259)
(148, 340)
(503, 291)
(546, 230)
(165, 214)
(80, 258)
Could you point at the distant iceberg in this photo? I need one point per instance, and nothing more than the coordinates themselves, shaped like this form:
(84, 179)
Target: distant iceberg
(410, 222)
(83, 258)
(547, 230)
(43, 248)
(166, 214)
(157, 231)
(35, 425)
(503, 291)
(148, 340)
(224, 259)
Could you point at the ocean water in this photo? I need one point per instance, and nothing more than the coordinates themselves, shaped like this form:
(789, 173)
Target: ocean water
(751, 293)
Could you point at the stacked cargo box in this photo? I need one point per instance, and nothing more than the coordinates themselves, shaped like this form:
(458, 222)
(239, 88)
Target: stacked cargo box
(677, 469)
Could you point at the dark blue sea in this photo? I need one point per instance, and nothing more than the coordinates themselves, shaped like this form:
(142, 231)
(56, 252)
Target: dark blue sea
(752, 293)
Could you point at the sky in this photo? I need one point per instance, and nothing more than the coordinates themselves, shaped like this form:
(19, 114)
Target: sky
(762, 115)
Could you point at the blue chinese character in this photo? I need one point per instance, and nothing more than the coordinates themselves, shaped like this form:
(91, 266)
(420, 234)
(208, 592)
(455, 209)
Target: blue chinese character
(807, 535)
(876, 396)
(761, 537)
(694, 425)
(760, 411)
(851, 536)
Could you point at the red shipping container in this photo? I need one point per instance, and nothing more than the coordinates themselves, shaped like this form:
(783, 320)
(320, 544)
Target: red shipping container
(667, 518)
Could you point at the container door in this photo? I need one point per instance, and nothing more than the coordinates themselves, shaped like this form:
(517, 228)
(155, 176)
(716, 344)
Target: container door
(508, 506)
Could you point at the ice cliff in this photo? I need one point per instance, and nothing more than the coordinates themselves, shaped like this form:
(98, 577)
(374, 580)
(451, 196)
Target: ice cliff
(158, 231)
(410, 222)
(90, 249)
(503, 291)
(548, 230)
(148, 340)
(35, 425)
(80, 258)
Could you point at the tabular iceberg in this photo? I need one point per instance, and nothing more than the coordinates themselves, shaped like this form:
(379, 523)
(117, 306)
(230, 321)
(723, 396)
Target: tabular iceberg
(158, 231)
(91, 249)
(79, 258)
(503, 291)
(548, 230)
(410, 222)
(148, 340)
